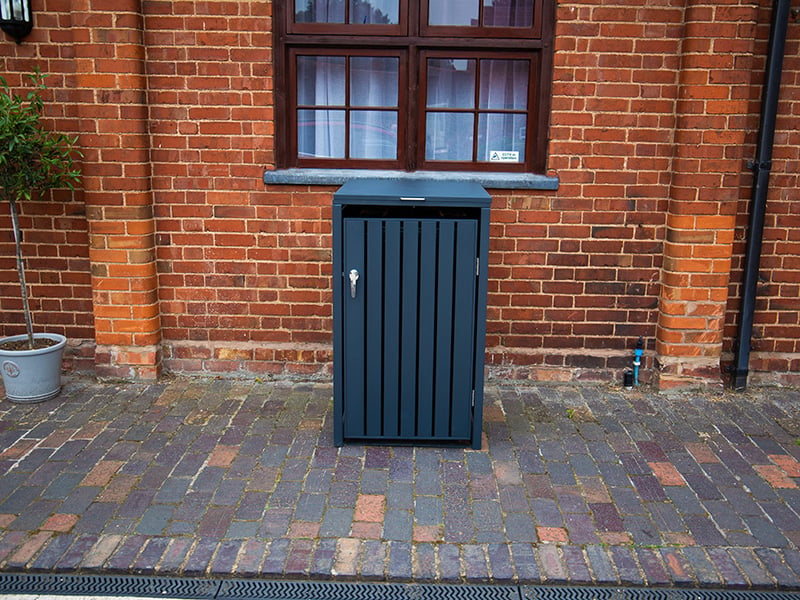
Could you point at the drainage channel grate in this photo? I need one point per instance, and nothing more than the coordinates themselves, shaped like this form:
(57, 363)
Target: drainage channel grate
(306, 590)
(252, 589)
(601, 593)
(101, 585)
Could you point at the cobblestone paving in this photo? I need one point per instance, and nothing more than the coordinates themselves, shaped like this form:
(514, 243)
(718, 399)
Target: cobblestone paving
(574, 485)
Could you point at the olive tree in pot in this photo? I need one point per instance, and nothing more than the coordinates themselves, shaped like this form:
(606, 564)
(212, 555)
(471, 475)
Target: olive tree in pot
(33, 161)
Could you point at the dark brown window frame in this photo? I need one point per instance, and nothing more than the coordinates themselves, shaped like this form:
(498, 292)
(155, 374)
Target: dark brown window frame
(534, 43)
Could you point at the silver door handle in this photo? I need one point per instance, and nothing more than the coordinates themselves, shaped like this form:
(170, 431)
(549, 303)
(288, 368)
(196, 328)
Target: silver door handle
(353, 280)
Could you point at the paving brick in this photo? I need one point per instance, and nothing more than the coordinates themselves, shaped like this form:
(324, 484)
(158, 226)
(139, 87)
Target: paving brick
(25, 552)
(151, 555)
(299, 557)
(553, 569)
(336, 522)
(125, 554)
(651, 563)
(775, 564)
(765, 531)
(625, 563)
(424, 562)
(73, 558)
(155, 519)
(60, 522)
(578, 572)
(322, 562)
(752, 567)
(51, 552)
(275, 560)
(475, 565)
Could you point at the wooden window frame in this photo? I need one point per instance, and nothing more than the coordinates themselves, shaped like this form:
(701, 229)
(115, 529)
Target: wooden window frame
(415, 42)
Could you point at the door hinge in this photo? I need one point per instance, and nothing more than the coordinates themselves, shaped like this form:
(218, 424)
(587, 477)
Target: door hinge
(477, 267)
(473, 399)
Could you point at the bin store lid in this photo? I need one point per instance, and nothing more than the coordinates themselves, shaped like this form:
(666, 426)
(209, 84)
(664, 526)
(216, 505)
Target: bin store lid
(379, 191)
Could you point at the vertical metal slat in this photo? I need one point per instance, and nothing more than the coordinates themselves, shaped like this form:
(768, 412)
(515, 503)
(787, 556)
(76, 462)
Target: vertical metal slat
(372, 289)
(408, 328)
(464, 327)
(426, 328)
(354, 328)
(444, 328)
(391, 328)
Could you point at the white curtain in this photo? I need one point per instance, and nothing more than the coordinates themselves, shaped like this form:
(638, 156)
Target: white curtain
(373, 84)
(321, 90)
(321, 83)
(504, 86)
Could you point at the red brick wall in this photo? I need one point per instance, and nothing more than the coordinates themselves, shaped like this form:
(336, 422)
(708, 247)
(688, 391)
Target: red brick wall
(197, 266)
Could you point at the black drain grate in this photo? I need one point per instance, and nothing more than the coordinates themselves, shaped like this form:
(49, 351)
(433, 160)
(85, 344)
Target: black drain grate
(254, 589)
(309, 590)
(600, 593)
(101, 585)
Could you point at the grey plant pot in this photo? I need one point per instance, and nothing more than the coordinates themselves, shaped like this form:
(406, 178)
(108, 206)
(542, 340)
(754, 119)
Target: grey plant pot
(32, 375)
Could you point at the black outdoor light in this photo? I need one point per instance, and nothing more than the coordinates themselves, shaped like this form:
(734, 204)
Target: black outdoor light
(16, 18)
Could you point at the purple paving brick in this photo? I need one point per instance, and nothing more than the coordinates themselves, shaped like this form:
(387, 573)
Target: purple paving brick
(606, 517)
(654, 571)
(775, 564)
(449, 562)
(424, 562)
(627, 568)
(553, 568)
(575, 563)
(400, 560)
(175, 555)
(322, 561)
(299, 557)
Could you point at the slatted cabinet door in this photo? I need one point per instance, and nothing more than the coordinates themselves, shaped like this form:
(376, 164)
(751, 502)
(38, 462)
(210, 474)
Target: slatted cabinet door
(408, 328)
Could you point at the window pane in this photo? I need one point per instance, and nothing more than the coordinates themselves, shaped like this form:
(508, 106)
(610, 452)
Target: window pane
(508, 13)
(318, 11)
(451, 83)
(453, 12)
(375, 12)
(373, 134)
(374, 80)
(320, 80)
(501, 138)
(448, 136)
(504, 84)
(320, 133)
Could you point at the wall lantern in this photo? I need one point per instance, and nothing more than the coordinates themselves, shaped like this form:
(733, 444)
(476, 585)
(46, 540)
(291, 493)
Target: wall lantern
(16, 18)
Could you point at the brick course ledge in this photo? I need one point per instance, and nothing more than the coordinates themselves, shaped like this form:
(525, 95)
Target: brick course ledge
(528, 181)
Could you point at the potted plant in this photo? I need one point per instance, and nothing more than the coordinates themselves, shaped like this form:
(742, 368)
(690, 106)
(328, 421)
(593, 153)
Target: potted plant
(33, 161)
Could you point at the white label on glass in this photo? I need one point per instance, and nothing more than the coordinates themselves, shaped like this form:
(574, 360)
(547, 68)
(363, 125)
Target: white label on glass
(504, 156)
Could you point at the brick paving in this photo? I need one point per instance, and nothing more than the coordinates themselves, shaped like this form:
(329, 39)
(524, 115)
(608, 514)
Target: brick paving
(573, 485)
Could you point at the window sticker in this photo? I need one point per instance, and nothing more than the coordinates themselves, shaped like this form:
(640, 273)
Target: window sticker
(504, 156)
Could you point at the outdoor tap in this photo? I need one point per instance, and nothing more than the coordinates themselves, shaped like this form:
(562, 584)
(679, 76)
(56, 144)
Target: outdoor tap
(637, 360)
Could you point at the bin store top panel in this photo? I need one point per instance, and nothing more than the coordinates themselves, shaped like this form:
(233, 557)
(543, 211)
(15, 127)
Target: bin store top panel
(417, 192)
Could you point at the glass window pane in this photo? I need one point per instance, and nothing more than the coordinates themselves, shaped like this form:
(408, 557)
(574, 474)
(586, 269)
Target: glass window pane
(448, 136)
(320, 133)
(504, 84)
(375, 12)
(501, 138)
(374, 80)
(453, 12)
(451, 83)
(373, 134)
(508, 13)
(320, 80)
(318, 11)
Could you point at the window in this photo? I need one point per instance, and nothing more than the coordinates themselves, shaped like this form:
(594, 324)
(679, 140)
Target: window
(413, 84)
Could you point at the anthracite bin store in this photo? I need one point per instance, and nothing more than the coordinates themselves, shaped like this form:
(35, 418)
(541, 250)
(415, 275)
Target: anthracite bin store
(409, 321)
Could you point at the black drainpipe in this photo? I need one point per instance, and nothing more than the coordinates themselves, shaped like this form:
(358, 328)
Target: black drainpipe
(761, 167)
